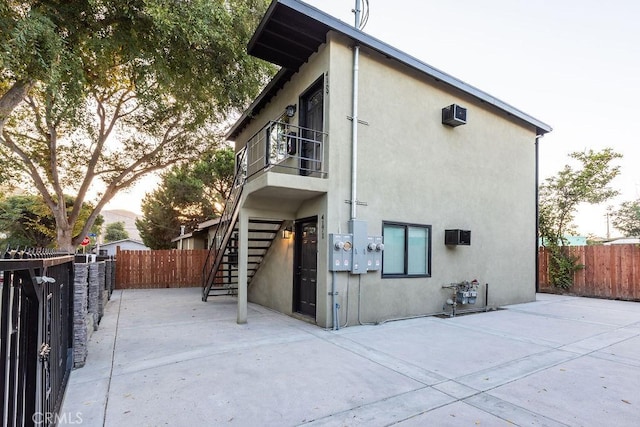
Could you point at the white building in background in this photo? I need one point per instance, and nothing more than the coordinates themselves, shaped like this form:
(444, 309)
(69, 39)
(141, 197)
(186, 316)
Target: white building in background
(126, 244)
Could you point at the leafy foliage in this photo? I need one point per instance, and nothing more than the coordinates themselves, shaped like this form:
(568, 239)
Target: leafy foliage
(27, 221)
(187, 196)
(96, 94)
(627, 218)
(115, 231)
(559, 198)
(562, 267)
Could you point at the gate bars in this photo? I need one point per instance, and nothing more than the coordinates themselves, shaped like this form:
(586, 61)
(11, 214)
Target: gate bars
(36, 333)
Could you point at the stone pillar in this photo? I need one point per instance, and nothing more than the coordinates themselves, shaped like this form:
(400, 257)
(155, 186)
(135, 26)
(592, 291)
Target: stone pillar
(81, 324)
(107, 278)
(94, 289)
(102, 294)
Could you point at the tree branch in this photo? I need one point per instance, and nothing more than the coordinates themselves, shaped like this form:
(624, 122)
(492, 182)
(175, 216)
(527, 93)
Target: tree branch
(30, 167)
(11, 98)
(36, 111)
(103, 135)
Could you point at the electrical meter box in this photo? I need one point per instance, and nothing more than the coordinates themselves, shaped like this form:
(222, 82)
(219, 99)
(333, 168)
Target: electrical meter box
(340, 252)
(374, 253)
(359, 231)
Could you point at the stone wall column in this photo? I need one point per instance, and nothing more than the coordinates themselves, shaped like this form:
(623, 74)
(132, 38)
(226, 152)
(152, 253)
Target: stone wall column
(81, 324)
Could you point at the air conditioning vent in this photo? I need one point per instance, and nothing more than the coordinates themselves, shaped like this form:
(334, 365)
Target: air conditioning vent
(457, 237)
(454, 115)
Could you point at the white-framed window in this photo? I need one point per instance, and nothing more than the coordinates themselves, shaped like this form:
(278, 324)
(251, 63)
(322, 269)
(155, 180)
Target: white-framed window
(407, 250)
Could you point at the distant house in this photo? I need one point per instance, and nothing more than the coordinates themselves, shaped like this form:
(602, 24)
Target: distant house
(199, 237)
(571, 241)
(126, 244)
(624, 241)
(367, 180)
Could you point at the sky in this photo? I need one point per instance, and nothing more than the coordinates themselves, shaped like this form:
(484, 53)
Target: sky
(572, 64)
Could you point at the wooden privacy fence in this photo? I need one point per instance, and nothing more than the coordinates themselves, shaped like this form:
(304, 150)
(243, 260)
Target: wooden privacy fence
(171, 268)
(611, 271)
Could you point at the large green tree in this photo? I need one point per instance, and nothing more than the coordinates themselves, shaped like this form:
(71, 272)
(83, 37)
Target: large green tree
(187, 195)
(95, 94)
(627, 218)
(26, 221)
(560, 197)
(115, 231)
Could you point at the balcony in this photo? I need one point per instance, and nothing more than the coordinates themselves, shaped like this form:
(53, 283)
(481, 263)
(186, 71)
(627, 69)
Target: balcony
(283, 165)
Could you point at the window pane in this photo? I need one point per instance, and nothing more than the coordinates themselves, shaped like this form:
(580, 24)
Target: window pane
(393, 255)
(418, 244)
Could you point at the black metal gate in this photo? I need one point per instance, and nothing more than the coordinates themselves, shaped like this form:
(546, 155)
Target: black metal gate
(36, 332)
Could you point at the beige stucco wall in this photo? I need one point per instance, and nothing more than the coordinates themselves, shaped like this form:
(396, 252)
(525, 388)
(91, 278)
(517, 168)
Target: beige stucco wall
(412, 169)
(272, 286)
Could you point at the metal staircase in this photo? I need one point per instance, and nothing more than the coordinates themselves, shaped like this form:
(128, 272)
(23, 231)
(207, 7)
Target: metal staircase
(261, 235)
(220, 271)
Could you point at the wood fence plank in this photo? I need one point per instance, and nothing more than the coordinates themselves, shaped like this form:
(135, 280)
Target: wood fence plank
(159, 269)
(611, 271)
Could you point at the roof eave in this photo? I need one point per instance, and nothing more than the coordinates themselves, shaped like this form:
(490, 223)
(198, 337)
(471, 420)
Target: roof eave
(315, 16)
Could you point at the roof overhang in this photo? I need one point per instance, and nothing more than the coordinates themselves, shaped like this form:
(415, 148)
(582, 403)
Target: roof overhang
(291, 31)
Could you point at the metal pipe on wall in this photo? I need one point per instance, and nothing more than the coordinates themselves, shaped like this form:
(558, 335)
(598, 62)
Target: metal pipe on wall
(354, 134)
(354, 118)
(537, 251)
(333, 301)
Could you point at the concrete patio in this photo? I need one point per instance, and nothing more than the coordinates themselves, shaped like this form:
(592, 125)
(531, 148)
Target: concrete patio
(163, 357)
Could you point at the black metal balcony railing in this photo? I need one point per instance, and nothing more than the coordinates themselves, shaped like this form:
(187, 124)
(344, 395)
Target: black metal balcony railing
(286, 148)
(36, 324)
(277, 147)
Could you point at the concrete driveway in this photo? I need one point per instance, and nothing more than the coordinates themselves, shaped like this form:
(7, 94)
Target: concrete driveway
(164, 358)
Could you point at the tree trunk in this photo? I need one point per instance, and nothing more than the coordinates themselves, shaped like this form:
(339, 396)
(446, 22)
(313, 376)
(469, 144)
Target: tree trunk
(11, 98)
(65, 240)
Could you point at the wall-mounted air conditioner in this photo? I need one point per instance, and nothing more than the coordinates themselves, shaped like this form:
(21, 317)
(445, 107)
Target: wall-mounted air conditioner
(454, 115)
(457, 237)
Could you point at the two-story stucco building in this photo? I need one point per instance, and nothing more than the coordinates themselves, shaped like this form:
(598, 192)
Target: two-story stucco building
(354, 164)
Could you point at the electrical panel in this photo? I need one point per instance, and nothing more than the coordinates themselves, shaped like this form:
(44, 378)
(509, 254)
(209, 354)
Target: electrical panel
(340, 252)
(457, 237)
(374, 253)
(355, 252)
(359, 231)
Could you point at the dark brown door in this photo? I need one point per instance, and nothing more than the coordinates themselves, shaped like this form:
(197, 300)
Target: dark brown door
(312, 120)
(306, 267)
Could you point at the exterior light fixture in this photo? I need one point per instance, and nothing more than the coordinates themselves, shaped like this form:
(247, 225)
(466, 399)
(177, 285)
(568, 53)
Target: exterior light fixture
(287, 232)
(290, 111)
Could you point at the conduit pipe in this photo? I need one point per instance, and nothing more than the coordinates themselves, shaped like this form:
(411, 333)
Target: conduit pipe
(537, 247)
(334, 304)
(354, 117)
(354, 133)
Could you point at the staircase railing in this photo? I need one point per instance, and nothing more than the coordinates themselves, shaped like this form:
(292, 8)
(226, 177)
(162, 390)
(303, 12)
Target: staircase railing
(225, 227)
